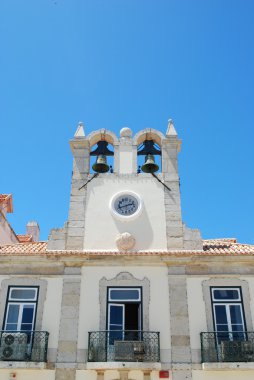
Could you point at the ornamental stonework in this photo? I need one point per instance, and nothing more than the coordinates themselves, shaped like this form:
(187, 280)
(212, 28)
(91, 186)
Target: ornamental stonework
(125, 241)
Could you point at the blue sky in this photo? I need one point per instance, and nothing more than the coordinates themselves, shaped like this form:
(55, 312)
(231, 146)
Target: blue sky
(116, 63)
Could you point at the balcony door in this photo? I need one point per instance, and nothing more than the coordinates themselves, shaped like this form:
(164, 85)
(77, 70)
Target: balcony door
(124, 313)
(20, 309)
(228, 314)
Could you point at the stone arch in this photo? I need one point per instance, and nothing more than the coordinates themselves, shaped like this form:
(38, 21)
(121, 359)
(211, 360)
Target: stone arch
(102, 135)
(148, 134)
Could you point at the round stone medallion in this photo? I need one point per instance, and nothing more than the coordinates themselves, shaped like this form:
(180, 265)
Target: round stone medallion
(125, 241)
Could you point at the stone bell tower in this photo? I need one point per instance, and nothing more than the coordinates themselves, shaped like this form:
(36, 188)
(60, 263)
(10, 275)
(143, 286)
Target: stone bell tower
(122, 207)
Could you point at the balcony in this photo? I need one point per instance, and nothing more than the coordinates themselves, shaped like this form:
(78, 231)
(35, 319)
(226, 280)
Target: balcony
(124, 346)
(28, 346)
(227, 347)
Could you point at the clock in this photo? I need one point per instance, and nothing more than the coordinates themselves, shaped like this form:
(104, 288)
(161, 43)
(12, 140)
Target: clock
(126, 205)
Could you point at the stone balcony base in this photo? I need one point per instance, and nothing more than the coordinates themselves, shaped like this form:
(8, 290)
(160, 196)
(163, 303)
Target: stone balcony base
(226, 366)
(123, 365)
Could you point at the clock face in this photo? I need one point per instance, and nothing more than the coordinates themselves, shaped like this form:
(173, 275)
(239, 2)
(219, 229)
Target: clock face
(126, 204)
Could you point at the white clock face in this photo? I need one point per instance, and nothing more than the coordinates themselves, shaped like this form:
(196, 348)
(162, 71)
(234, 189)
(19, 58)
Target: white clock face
(126, 205)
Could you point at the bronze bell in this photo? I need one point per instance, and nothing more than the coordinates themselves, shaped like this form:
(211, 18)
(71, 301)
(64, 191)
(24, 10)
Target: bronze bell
(149, 166)
(101, 165)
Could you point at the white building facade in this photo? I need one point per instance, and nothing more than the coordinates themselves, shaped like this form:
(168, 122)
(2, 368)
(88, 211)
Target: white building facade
(125, 290)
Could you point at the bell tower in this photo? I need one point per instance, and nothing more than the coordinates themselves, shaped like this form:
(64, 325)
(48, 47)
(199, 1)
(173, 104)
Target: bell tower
(125, 194)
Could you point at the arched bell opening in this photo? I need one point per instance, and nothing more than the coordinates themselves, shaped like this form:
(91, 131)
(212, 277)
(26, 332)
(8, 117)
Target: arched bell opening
(149, 143)
(149, 157)
(102, 157)
(102, 142)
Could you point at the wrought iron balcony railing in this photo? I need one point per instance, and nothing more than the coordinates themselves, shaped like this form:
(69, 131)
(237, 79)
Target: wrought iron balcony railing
(128, 345)
(24, 346)
(227, 346)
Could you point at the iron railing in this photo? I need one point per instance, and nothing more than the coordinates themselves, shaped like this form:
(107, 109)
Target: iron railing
(127, 345)
(227, 346)
(24, 346)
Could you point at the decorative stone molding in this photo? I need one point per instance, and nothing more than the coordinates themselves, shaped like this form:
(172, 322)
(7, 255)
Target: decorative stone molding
(230, 282)
(125, 136)
(125, 241)
(126, 132)
(25, 281)
(124, 279)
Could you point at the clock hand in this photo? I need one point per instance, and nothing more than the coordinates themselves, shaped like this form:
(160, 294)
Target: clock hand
(128, 204)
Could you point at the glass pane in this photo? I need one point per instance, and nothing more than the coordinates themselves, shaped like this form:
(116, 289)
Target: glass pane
(28, 313)
(226, 294)
(23, 294)
(222, 327)
(235, 314)
(124, 294)
(13, 314)
(237, 327)
(26, 326)
(116, 315)
(220, 313)
(11, 326)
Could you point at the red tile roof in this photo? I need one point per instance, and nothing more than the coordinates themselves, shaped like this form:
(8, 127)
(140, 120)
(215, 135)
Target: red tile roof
(214, 247)
(24, 248)
(25, 238)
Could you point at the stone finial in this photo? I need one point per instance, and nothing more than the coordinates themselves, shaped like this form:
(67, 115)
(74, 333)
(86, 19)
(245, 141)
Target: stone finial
(125, 241)
(80, 132)
(171, 129)
(126, 132)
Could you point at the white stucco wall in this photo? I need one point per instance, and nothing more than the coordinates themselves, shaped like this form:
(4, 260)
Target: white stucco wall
(126, 159)
(158, 307)
(101, 228)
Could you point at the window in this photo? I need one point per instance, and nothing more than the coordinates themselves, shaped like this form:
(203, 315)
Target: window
(124, 313)
(228, 313)
(21, 308)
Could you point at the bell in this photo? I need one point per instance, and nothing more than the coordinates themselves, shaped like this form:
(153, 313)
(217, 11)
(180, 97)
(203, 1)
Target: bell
(149, 166)
(101, 165)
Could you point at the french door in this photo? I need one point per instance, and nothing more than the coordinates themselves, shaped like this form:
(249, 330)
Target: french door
(228, 314)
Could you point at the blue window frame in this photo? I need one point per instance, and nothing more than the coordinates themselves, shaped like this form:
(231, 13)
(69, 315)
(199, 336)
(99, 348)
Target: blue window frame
(21, 308)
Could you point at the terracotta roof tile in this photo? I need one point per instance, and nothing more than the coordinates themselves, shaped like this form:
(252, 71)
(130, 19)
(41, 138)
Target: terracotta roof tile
(221, 247)
(25, 238)
(24, 248)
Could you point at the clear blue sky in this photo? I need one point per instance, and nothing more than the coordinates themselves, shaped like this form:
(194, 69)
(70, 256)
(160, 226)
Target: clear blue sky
(115, 63)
